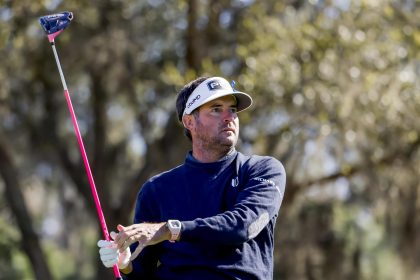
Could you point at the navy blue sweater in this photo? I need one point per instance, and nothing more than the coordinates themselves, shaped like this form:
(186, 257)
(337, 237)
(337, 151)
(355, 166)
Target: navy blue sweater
(228, 211)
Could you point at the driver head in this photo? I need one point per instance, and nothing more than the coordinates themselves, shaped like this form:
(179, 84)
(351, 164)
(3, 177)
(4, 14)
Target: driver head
(54, 24)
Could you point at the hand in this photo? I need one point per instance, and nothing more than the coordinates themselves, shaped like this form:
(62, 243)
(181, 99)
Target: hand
(110, 255)
(145, 234)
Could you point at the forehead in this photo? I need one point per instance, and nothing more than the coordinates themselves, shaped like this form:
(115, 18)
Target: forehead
(229, 100)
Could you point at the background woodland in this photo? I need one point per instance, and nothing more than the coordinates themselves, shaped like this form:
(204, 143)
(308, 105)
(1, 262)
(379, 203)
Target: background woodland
(337, 100)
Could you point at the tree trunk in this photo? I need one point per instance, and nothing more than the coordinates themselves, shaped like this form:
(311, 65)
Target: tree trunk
(192, 41)
(14, 196)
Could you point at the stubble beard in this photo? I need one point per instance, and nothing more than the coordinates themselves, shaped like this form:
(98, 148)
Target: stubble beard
(219, 144)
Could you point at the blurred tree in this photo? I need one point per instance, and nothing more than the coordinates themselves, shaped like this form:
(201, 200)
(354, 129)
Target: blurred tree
(336, 91)
(16, 201)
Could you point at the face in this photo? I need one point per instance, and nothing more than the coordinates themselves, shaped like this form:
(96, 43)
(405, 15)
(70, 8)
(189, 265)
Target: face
(216, 124)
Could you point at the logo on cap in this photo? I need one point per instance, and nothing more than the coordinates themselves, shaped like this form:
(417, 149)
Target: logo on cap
(193, 101)
(213, 85)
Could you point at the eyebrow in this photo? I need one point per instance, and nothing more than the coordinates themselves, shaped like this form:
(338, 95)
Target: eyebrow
(217, 104)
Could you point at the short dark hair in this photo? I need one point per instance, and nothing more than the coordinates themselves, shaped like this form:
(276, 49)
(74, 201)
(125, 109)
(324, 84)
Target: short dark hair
(182, 99)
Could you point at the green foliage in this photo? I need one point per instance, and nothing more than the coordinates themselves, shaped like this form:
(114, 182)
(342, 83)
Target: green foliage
(336, 99)
(13, 264)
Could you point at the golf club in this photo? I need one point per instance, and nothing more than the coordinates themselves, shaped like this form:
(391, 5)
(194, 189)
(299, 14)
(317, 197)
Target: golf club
(53, 25)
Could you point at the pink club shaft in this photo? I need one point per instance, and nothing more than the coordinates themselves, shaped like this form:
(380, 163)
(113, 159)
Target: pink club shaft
(84, 156)
(87, 166)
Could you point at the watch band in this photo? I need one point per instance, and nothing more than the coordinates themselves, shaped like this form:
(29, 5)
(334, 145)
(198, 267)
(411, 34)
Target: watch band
(174, 227)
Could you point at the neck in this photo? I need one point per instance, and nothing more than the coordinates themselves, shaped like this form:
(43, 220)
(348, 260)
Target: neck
(207, 156)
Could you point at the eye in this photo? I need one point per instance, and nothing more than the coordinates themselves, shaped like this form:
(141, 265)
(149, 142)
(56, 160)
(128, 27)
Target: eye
(233, 110)
(216, 109)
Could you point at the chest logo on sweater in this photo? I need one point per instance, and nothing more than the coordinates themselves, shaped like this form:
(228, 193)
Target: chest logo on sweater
(235, 182)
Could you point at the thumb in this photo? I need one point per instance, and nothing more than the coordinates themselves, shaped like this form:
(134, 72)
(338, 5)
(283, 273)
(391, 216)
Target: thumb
(113, 234)
(120, 227)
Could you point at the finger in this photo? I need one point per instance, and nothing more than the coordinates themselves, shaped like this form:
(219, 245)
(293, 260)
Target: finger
(117, 237)
(137, 252)
(142, 240)
(122, 236)
(110, 263)
(126, 244)
(128, 228)
(109, 258)
(113, 235)
(104, 243)
(108, 251)
(131, 228)
(126, 238)
(122, 239)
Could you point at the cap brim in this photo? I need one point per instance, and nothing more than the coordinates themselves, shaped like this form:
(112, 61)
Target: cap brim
(243, 99)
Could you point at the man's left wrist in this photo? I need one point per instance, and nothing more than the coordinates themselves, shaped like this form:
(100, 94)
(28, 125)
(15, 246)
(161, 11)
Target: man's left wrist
(174, 229)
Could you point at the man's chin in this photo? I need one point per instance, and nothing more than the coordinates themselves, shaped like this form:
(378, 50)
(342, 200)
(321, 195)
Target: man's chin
(229, 141)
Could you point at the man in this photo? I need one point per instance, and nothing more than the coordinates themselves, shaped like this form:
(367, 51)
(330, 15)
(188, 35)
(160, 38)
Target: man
(212, 217)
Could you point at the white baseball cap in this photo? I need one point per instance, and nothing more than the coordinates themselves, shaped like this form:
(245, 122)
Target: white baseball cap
(213, 88)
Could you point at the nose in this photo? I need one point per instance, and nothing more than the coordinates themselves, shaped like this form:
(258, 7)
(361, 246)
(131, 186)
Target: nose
(229, 116)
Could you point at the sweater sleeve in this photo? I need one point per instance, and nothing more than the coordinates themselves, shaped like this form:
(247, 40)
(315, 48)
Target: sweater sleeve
(257, 203)
(145, 264)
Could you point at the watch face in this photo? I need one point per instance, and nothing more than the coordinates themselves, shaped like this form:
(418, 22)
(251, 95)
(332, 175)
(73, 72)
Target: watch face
(175, 224)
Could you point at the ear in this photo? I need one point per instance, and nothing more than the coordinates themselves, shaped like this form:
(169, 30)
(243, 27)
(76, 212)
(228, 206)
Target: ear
(187, 121)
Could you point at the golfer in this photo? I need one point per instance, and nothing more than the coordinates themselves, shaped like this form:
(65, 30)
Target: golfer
(212, 217)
